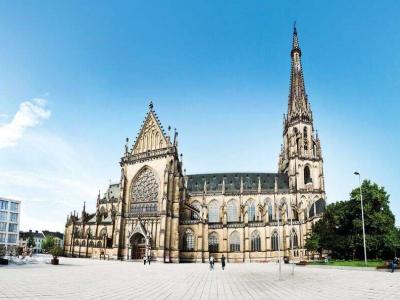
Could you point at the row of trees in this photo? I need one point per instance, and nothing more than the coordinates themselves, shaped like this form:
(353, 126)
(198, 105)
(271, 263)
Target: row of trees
(340, 229)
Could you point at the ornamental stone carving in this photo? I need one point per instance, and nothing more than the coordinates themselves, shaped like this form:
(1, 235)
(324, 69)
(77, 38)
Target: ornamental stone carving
(145, 188)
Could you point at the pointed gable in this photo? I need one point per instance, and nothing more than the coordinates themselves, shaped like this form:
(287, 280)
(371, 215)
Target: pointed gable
(152, 135)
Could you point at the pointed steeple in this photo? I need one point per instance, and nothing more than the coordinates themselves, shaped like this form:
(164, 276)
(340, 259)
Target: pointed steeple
(298, 106)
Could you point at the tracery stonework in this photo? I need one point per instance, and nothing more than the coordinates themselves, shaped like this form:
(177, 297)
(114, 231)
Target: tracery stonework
(156, 210)
(145, 188)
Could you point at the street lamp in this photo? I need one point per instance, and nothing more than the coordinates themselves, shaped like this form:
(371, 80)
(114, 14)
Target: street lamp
(362, 217)
(277, 209)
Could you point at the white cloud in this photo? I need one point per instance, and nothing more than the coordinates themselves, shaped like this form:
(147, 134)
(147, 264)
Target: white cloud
(53, 180)
(30, 114)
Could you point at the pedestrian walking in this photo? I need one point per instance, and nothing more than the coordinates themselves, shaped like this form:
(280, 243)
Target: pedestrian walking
(223, 262)
(144, 260)
(211, 263)
(394, 263)
(149, 259)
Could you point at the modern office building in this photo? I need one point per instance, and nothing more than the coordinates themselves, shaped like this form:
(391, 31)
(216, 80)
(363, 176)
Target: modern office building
(9, 223)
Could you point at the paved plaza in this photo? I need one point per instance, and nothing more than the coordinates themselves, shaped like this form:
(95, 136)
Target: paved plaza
(94, 279)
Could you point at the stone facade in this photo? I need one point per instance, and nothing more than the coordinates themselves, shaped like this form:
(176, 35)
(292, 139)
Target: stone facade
(158, 211)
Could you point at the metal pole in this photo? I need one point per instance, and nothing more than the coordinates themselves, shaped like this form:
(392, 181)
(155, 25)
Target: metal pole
(291, 238)
(279, 248)
(363, 224)
(279, 240)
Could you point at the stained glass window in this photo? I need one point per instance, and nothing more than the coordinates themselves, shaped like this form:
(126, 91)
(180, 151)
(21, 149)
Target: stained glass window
(234, 242)
(145, 188)
(213, 242)
(188, 241)
(232, 211)
(213, 212)
(251, 210)
(255, 241)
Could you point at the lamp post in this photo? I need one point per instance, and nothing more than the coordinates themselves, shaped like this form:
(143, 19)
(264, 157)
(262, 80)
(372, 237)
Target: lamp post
(362, 216)
(277, 209)
(291, 238)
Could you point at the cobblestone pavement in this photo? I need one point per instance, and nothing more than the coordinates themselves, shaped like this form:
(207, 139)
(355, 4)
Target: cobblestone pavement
(94, 279)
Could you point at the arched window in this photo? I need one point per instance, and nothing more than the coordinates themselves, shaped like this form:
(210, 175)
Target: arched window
(103, 233)
(76, 243)
(193, 215)
(213, 242)
(234, 242)
(320, 206)
(307, 175)
(295, 214)
(88, 233)
(91, 244)
(251, 211)
(232, 211)
(293, 237)
(83, 244)
(305, 133)
(188, 241)
(274, 241)
(98, 245)
(255, 241)
(144, 189)
(270, 215)
(213, 212)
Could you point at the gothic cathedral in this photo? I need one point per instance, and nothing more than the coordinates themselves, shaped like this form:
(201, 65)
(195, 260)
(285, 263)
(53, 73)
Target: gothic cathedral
(159, 212)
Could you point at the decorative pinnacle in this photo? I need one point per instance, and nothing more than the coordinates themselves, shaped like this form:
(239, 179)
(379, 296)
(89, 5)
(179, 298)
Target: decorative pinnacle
(151, 105)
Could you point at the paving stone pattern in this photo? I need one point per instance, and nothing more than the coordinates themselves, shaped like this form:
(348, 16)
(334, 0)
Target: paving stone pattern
(94, 279)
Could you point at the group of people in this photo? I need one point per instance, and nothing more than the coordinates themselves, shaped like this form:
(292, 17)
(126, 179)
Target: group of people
(212, 262)
(146, 259)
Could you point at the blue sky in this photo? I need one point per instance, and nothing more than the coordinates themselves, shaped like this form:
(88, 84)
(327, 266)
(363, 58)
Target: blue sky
(76, 78)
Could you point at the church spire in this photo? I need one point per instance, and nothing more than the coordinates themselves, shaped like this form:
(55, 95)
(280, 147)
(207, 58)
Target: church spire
(298, 106)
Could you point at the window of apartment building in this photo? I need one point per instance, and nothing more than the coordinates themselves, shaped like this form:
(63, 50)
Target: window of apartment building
(2, 237)
(3, 216)
(13, 206)
(3, 226)
(12, 227)
(13, 217)
(3, 204)
(12, 238)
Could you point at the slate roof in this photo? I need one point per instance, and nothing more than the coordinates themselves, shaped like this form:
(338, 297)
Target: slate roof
(55, 234)
(27, 234)
(195, 183)
(112, 193)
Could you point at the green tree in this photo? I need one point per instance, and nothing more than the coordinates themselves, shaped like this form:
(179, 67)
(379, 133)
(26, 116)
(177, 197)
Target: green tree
(56, 251)
(48, 243)
(31, 242)
(340, 229)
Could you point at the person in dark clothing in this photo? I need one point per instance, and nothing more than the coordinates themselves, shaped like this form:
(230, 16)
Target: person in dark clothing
(223, 262)
(394, 263)
(144, 260)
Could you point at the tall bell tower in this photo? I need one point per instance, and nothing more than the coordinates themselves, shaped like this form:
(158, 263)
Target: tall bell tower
(301, 156)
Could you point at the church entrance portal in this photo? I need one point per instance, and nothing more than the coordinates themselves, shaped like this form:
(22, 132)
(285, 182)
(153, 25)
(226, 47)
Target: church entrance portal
(138, 246)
